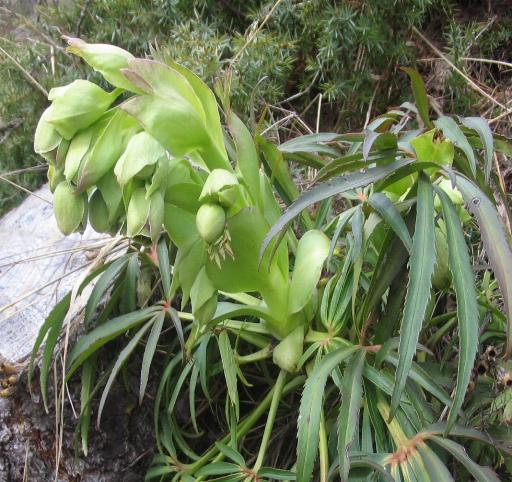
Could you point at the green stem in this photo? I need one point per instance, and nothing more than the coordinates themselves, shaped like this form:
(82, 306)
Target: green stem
(324, 454)
(263, 354)
(276, 398)
(246, 424)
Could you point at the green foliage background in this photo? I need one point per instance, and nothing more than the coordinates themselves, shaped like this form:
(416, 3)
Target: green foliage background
(349, 51)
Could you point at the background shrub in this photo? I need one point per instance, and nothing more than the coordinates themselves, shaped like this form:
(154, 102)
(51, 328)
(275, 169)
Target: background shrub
(348, 51)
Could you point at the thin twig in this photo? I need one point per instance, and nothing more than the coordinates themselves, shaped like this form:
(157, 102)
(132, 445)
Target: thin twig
(25, 169)
(468, 80)
(252, 36)
(24, 189)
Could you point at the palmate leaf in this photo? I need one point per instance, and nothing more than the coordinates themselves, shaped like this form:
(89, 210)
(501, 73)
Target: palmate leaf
(348, 419)
(421, 267)
(311, 409)
(494, 239)
(326, 190)
(467, 308)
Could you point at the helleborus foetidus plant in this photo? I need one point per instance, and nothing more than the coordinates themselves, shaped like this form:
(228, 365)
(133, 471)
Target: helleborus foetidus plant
(343, 305)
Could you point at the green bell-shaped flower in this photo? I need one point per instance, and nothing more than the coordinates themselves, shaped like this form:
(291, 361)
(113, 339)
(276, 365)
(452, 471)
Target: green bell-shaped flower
(77, 106)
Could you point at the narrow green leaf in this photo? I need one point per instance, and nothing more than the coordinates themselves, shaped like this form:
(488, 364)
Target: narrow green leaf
(423, 379)
(231, 454)
(176, 389)
(481, 474)
(494, 239)
(129, 298)
(326, 190)
(311, 409)
(343, 219)
(121, 360)
(467, 308)
(164, 267)
(218, 468)
(51, 327)
(420, 94)
(149, 352)
(481, 126)
(276, 474)
(101, 286)
(372, 461)
(421, 267)
(311, 143)
(94, 340)
(453, 132)
(381, 203)
(439, 428)
(155, 472)
(381, 141)
(247, 157)
(87, 380)
(348, 418)
(229, 365)
(175, 318)
(436, 469)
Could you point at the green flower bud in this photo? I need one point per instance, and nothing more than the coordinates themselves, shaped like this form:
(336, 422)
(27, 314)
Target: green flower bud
(156, 214)
(69, 208)
(46, 138)
(98, 213)
(210, 222)
(108, 60)
(141, 154)
(138, 212)
(287, 354)
(55, 177)
(77, 106)
(218, 180)
(203, 296)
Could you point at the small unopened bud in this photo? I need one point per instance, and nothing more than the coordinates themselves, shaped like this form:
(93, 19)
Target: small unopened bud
(210, 222)
(69, 208)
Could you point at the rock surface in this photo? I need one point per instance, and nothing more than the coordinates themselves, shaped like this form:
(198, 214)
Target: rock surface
(38, 265)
